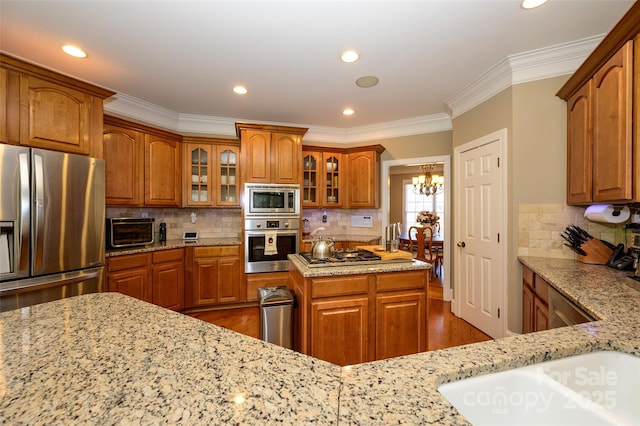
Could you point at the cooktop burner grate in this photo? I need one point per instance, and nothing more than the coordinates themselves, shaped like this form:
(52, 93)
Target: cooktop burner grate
(342, 256)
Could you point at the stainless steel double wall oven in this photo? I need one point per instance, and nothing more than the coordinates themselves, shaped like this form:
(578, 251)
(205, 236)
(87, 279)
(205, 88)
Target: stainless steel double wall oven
(271, 226)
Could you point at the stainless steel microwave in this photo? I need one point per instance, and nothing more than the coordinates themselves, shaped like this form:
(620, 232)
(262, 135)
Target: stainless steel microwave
(271, 199)
(129, 231)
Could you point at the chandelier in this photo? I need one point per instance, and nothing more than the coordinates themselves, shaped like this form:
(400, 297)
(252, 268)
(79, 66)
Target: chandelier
(428, 183)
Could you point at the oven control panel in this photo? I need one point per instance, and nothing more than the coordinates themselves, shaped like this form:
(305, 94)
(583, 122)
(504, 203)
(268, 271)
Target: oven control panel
(272, 224)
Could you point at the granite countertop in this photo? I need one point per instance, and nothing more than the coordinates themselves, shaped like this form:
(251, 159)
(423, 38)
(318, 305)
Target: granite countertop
(108, 358)
(356, 268)
(172, 244)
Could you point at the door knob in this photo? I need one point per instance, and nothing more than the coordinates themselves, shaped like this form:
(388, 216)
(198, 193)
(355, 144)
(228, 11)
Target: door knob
(461, 244)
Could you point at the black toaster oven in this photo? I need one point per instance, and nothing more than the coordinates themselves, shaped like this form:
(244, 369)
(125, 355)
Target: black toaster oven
(129, 231)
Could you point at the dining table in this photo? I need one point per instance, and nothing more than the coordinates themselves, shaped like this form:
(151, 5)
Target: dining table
(437, 242)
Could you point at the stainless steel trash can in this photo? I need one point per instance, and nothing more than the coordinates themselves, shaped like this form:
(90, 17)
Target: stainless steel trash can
(276, 315)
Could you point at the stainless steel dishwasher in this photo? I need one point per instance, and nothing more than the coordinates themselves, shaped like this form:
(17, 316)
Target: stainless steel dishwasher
(563, 312)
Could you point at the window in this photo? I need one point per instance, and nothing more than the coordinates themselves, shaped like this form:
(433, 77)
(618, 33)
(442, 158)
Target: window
(414, 204)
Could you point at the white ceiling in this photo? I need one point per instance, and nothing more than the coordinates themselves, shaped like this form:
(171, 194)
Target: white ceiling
(184, 57)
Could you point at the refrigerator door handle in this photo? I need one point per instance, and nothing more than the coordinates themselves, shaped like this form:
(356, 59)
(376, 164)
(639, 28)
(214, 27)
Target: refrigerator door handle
(25, 213)
(38, 226)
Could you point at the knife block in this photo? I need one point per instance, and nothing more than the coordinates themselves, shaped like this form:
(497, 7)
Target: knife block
(598, 253)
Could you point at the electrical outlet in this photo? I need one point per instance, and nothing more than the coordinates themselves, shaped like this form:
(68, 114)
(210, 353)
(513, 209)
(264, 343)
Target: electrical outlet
(324, 216)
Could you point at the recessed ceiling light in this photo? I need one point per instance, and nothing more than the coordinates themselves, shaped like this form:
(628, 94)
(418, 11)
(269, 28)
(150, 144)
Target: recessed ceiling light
(531, 4)
(240, 90)
(367, 81)
(74, 51)
(348, 111)
(349, 56)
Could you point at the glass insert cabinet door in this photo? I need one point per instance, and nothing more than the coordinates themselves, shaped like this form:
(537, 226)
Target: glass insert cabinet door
(333, 164)
(310, 184)
(228, 178)
(200, 175)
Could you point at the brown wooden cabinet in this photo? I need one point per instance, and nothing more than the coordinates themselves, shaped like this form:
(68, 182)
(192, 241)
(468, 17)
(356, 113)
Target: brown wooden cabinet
(162, 167)
(167, 273)
(43, 109)
(213, 276)
(124, 165)
(130, 275)
(265, 279)
(340, 330)
(271, 154)
(535, 302)
(156, 277)
(211, 173)
(350, 319)
(603, 100)
(363, 183)
(348, 178)
(143, 165)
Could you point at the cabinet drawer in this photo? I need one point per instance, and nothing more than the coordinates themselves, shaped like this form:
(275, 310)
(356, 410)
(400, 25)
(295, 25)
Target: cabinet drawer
(325, 287)
(542, 288)
(168, 255)
(129, 261)
(400, 281)
(216, 251)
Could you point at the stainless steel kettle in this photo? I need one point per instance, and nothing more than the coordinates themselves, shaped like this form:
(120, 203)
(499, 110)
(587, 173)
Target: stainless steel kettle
(322, 249)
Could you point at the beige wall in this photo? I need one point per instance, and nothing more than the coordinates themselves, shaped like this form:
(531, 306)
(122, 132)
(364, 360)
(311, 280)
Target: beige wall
(536, 159)
(426, 145)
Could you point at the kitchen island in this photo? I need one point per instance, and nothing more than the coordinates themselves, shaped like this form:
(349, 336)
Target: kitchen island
(107, 358)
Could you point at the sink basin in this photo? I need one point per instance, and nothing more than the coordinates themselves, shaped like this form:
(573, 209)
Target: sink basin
(597, 388)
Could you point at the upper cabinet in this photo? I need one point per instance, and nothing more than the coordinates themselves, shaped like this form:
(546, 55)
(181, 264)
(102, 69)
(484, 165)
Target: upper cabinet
(142, 165)
(211, 173)
(271, 154)
(348, 178)
(43, 109)
(603, 102)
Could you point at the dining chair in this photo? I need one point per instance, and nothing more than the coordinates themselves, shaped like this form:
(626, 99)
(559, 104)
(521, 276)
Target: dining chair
(427, 252)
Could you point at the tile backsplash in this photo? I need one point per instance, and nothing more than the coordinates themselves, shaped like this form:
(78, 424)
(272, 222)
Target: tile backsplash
(540, 225)
(210, 223)
(339, 221)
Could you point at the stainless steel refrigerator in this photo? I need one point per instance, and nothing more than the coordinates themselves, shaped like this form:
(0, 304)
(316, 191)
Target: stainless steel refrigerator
(52, 225)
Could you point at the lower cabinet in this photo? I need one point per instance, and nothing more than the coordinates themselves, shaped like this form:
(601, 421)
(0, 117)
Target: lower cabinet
(214, 276)
(156, 277)
(266, 279)
(350, 319)
(535, 302)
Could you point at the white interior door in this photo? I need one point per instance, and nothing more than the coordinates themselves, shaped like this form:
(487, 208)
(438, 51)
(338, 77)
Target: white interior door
(479, 256)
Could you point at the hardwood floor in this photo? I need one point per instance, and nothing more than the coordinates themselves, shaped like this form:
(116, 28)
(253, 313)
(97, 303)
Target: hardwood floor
(445, 329)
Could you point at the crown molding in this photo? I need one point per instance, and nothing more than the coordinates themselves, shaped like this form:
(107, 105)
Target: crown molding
(553, 61)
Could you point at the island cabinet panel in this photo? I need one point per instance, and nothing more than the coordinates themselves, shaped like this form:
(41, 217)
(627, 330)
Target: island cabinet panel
(400, 324)
(213, 276)
(340, 330)
(347, 319)
(168, 279)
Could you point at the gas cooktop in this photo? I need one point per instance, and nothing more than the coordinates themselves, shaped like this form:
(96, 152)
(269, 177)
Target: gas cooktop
(341, 257)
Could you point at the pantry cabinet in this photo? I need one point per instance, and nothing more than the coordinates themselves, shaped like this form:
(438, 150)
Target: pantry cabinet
(44, 109)
(603, 103)
(271, 154)
(211, 173)
(143, 165)
(213, 276)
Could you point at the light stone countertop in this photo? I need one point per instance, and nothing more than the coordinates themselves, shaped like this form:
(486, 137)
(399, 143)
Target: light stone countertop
(107, 358)
(356, 268)
(172, 244)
